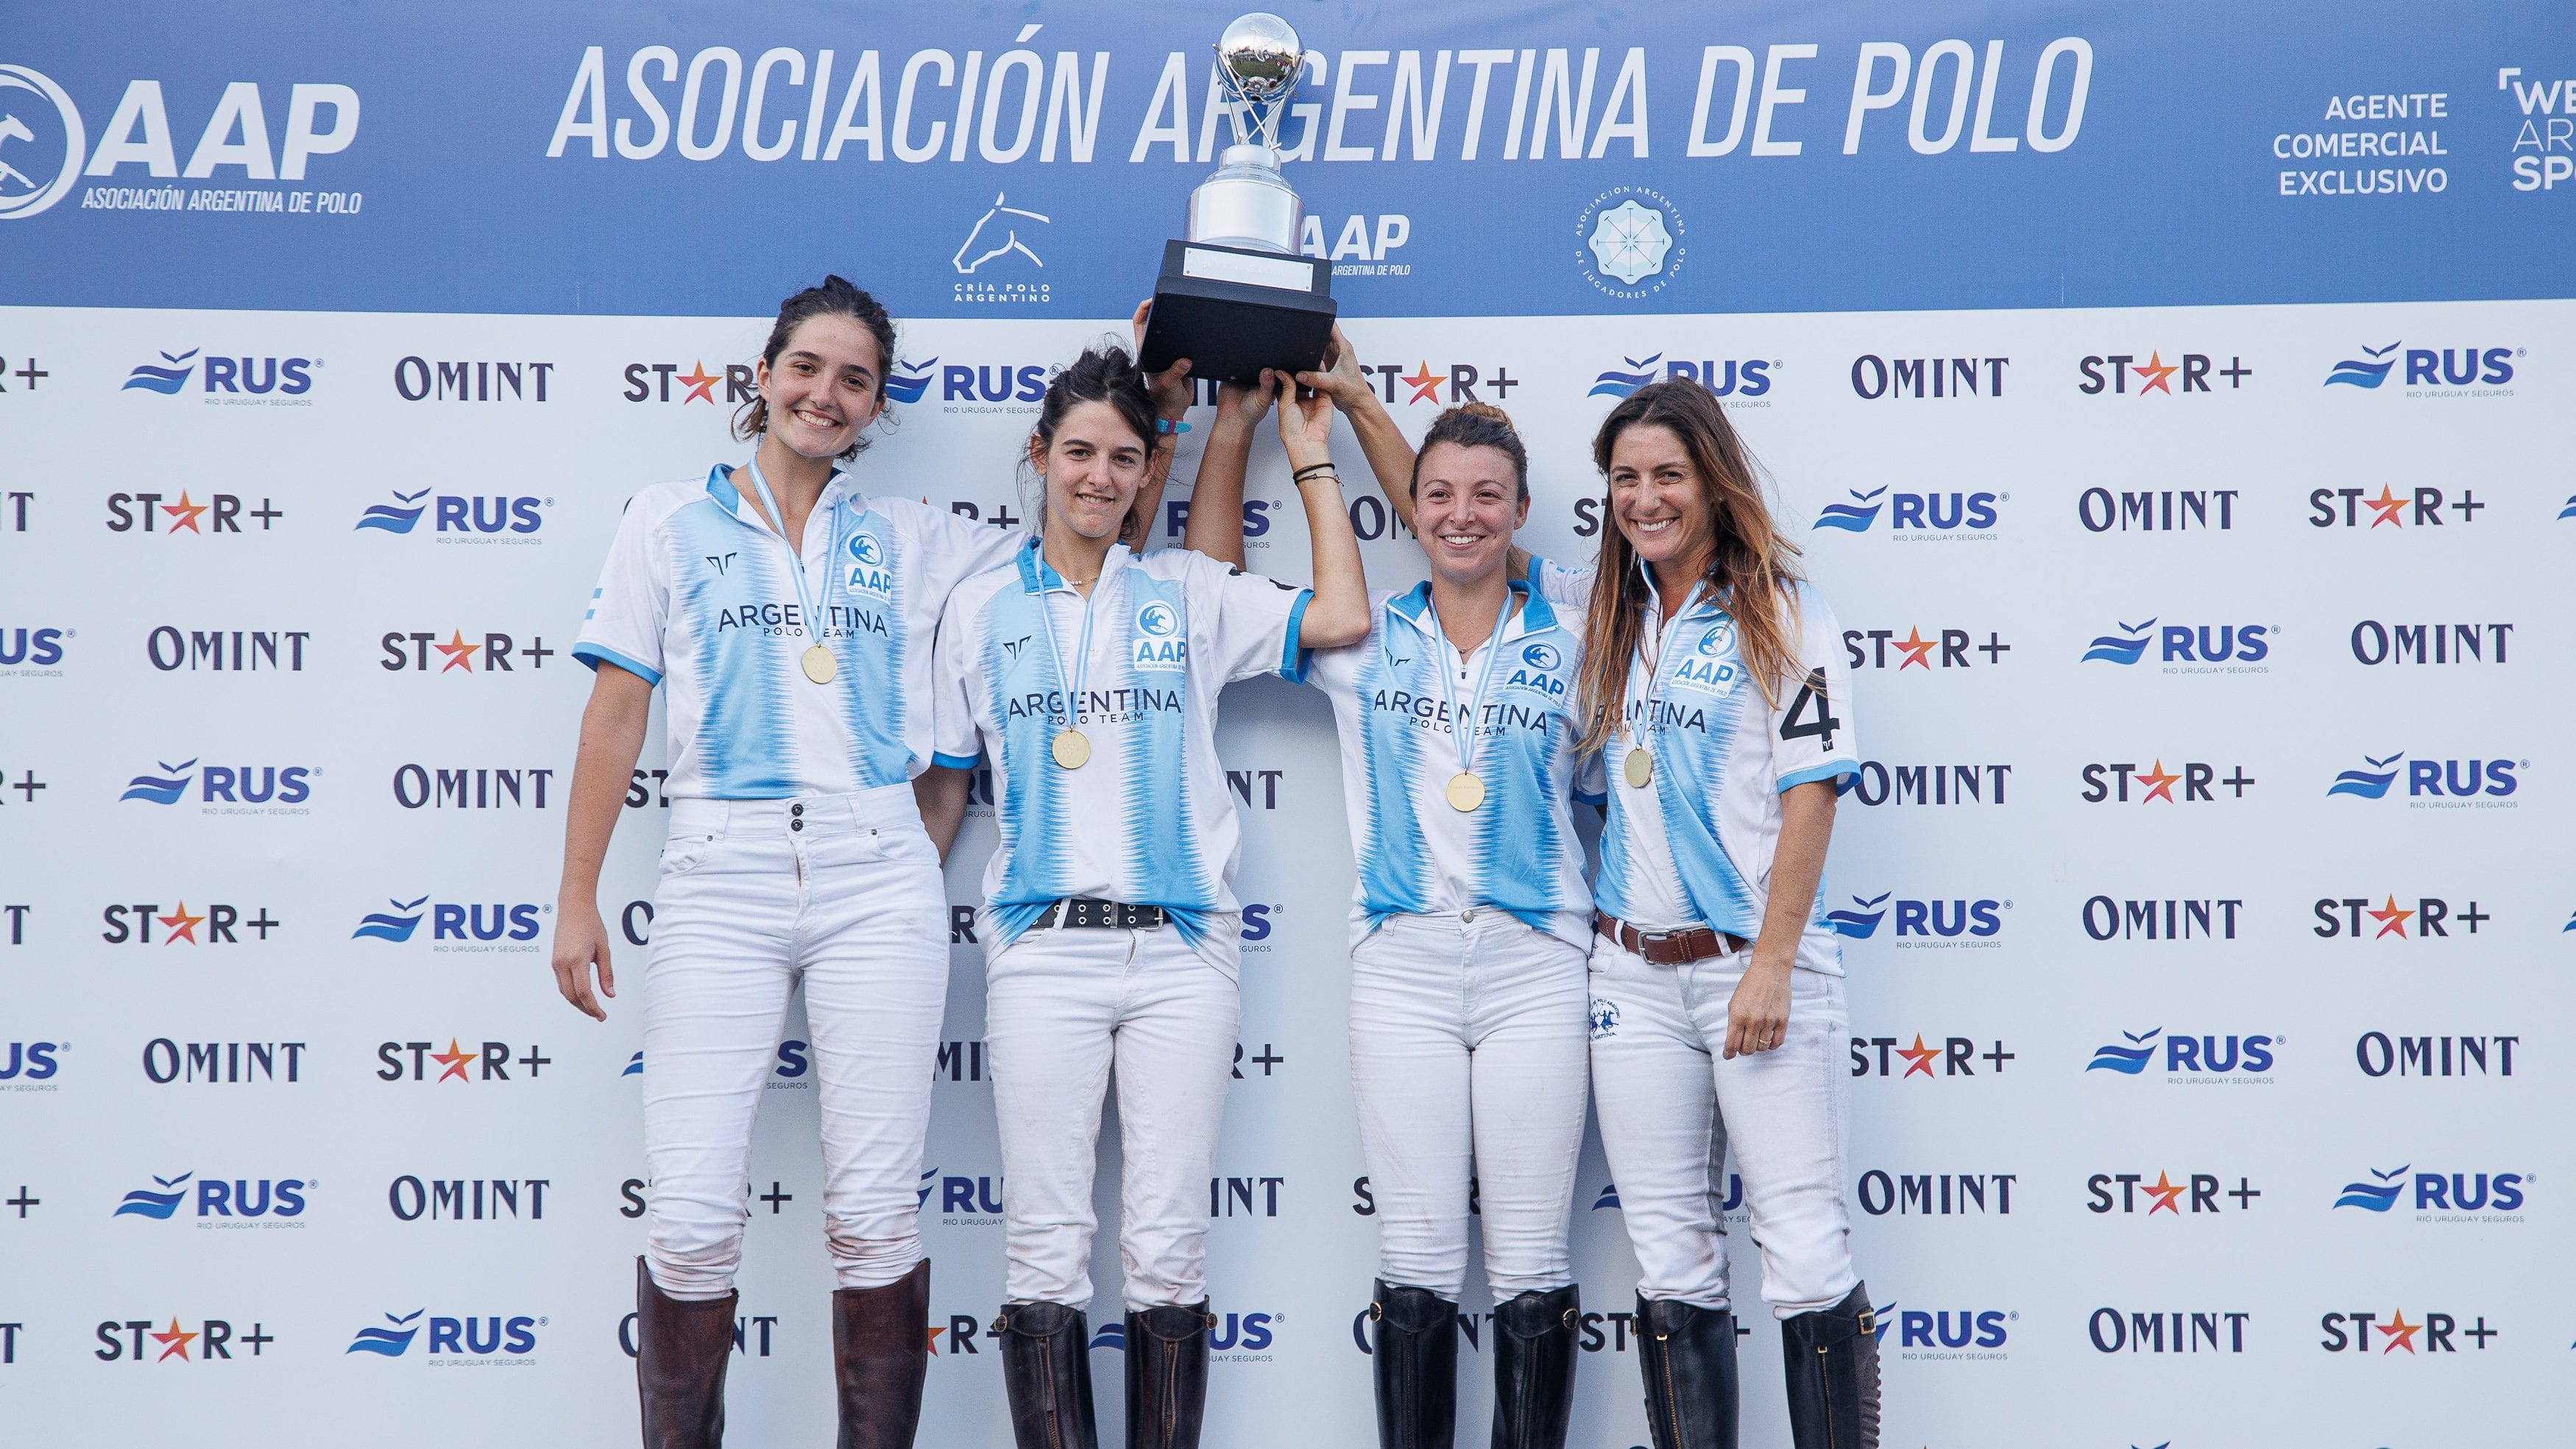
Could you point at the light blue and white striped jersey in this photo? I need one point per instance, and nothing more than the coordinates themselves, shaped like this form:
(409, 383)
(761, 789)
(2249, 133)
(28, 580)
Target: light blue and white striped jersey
(1148, 819)
(1694, 845)
(1418, 855)
(696, 595)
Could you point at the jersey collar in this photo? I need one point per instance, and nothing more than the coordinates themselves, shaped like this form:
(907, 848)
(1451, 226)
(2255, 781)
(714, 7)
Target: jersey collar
(1533, 616)
(842, 485)
(1037, 576)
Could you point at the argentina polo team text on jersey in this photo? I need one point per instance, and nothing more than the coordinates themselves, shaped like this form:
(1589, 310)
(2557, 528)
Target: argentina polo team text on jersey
(1694, 844)
(1418, 855)
(696, 595)
(1146, 819)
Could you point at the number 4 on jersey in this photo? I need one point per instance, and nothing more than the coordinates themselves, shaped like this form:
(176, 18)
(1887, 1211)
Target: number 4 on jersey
(1823, 725)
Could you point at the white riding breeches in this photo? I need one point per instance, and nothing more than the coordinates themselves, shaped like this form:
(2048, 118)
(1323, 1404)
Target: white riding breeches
(842, 893)
(1467, 1057)
(1062, 1006)
(1671, 1102)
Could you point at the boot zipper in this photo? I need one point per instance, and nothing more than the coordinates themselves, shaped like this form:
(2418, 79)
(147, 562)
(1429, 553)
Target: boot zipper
(1824, 1367)
(1672, 1400)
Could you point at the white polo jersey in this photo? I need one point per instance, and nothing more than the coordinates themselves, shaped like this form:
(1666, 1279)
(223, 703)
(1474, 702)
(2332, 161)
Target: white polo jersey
(696, 596)
(1399, 725)
(1694, 845)
(1147, 819)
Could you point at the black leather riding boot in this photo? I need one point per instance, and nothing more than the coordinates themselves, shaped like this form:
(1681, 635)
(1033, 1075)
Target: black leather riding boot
(1832, 1359)
(1046, 1369)
(1534, 1358)
(1415, 1363)
(1688, 1356)
(880, 1354)
(1167, 1363)
(681, 1349)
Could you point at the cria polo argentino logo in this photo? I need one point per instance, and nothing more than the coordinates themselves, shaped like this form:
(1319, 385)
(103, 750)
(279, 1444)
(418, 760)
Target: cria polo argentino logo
(33, 173)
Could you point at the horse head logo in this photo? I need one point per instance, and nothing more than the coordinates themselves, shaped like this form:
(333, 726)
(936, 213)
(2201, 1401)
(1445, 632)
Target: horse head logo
(20, 193)
(996, 234)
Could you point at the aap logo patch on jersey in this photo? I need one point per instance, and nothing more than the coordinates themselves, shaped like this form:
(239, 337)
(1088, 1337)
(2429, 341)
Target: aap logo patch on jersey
(1710, 667)
(868, 574)
(1160, 649)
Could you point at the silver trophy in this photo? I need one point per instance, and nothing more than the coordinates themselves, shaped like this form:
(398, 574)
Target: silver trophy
(1235, 297)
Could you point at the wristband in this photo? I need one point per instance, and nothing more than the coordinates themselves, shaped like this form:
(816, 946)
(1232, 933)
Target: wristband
(1301, 474)
(1168, 427)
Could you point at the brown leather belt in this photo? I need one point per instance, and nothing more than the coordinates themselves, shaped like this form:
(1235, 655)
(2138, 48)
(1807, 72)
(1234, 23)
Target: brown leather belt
(1668, 948)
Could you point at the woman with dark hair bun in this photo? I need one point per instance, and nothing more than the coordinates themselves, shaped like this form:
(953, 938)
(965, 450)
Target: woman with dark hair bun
(790, 617)
(1087, 675)
(1714, 692)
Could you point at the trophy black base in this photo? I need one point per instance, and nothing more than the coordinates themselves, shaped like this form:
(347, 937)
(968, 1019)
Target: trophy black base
(1233, 311)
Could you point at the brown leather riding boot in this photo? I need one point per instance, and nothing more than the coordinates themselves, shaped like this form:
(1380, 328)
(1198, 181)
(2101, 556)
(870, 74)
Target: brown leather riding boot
(681, 1349)
(880, 1354)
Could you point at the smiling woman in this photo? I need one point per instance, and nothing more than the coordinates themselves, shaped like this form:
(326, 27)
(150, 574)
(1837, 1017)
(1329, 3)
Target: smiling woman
(1088, 676)
(790, 616)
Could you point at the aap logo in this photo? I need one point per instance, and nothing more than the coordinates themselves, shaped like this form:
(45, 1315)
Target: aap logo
(40, 153)
(1542, 656)
(868, 573)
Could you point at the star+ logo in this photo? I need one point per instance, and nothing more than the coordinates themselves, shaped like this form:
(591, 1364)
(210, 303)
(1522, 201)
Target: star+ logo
(2390, 509)
(1956, 1056)
(1945, 649)
(2155, 374)
(220, 513)
(500, 653)
(2130, 1194)
(2112, 782)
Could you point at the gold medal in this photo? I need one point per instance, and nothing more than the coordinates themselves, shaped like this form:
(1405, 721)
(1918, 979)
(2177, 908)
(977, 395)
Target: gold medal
(1072, 749)
(819, 664)
(1466, 792)
(1639, 768)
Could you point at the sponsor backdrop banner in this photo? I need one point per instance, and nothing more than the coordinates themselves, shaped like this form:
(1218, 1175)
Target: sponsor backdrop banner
(2172, 403)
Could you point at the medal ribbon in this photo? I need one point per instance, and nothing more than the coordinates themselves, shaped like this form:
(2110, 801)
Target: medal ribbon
(1448, 692)
(776, 518)
(1654, 662)
(1070, 683)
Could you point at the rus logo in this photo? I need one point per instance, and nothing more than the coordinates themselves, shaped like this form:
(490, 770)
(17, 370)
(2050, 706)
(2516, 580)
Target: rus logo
(2426, 367)
(2460, 1192)
(227, 784)
(463, 1338)
(466, 516)
(1942, 1328)
(2241, 1057)
(37, 647)
(452, 921)
(1915, 516)
(1975, 919)
(223, 377)
(2434, 778)
(1728, 377)
(2183, 643)
(216, 1197)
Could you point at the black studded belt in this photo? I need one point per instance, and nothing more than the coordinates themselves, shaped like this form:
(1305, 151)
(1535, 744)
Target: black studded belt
(1091, 912)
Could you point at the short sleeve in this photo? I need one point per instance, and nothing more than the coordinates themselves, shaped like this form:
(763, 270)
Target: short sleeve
(1811, 726)
(1253, 627)
(956, 548)
(956, 741)
(630, 606)
(1566, 587)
